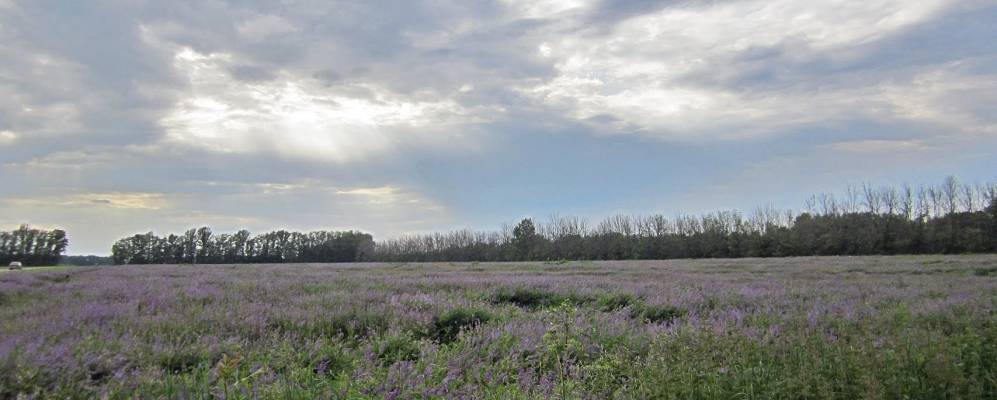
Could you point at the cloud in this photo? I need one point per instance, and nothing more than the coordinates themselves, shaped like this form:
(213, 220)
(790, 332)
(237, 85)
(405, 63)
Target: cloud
(950, 95)
(142, 201)
(264, 26)
(873, 146)
(384, 191)
(675, 74)
(7, 137)
(386, 195)
(545, 8)
(296, 116)
(422, 115)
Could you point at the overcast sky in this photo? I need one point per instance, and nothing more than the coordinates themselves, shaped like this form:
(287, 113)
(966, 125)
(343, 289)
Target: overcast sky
(124, 116)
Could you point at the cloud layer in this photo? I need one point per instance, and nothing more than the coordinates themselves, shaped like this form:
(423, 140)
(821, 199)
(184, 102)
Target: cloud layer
(119, 117)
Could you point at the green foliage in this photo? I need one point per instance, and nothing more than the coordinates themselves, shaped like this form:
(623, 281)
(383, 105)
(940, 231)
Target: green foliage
(202, 246)
(331, 359)
(447, 326)
(536, 298)
(615, 301)
(525, 240)
(184, 359)
(32, 247)
(656, 313)
(395, 348)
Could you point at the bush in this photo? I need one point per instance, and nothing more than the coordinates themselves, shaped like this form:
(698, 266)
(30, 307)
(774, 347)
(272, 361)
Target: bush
(331, 360)
(392, 349)
(536, 298)
(353, 325)
(657, 313)
(614, 301)
(446, 327)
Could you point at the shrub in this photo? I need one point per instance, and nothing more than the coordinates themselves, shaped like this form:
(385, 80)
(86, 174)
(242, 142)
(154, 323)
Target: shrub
(395, 348)
(183, 359)
(536, 298)
(657, 313)
(447, 326)
(331, 360)
(352, 325)
(614, 301)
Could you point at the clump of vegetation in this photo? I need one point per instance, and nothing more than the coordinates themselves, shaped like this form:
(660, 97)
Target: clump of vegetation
(331, 360)
(656, 314)
(536, 298)
(447, 326)
(349, 325)
(615, 301)
(184, 359)
(525, 297)
(395, 348)
(639, 310)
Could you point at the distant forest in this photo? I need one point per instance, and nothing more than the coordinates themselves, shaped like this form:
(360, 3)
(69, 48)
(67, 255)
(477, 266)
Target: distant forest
(201, 246)
(83, 261)
(865, 220)
(32, 246)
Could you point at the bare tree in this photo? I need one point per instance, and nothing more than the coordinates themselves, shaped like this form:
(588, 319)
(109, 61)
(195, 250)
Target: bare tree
(619, 223)
(890, 198)
(906, 201)
(935, 196)
(872, 198)
(851, 203)
(653, 226)
(968, 198)
(828, 204)
(810, 204)
(765, 217)
(923, 209)
(950, 189)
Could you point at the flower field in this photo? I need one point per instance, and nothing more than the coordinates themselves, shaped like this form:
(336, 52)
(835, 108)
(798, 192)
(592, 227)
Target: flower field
(902, 327)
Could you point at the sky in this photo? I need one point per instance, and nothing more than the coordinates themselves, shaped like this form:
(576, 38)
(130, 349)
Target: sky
(395, 117)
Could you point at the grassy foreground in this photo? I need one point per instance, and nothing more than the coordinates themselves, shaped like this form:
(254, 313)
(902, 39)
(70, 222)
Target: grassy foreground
(798, 328)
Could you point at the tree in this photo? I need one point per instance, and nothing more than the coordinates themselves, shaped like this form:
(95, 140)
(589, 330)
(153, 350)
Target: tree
(524, 239)
(32, 246)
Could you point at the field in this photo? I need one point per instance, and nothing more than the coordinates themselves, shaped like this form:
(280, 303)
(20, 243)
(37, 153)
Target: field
(795, 328)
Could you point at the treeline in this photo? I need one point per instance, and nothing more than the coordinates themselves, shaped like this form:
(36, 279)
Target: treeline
(32, 246)
(201, 246)
(866, 220)
(84, 261)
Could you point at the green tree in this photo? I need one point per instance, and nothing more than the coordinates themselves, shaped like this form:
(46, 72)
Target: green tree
(525, 239)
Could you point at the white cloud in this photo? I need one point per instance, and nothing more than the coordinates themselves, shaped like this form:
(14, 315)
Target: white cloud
(300, 117)
(388, 195)
(947, 95)
(7, 137)
(545, 8)
(636, 77)
(144, 201)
